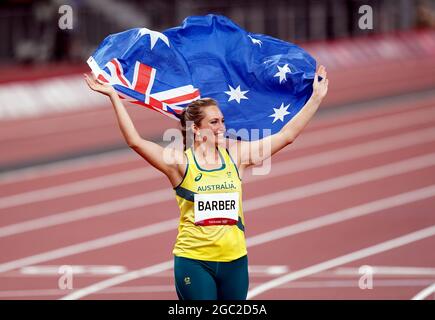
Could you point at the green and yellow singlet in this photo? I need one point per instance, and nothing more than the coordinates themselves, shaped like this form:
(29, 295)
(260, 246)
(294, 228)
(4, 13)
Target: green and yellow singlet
(211, 216)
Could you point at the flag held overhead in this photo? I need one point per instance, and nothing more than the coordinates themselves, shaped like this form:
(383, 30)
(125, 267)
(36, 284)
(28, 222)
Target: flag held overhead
(260, 82)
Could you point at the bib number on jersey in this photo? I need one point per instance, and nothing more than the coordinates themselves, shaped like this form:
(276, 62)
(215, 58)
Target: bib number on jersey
(216, 208)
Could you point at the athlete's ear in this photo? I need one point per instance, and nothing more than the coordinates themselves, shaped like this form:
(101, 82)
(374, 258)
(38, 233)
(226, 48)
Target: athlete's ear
(195, 129)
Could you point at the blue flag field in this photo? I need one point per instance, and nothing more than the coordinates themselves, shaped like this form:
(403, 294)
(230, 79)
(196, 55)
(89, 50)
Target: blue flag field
(260, 82)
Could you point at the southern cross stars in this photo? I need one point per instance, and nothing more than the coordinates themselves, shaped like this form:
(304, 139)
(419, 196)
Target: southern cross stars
(282, 72)
(236, 94)
(154, 36)
(280, 113)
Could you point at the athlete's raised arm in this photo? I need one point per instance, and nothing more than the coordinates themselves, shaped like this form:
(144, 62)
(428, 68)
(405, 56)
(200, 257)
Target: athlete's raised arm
(255, 152)
(170, 163)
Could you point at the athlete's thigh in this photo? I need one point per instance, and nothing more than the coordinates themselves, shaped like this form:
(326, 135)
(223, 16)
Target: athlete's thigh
(193, 281)
(233, 280)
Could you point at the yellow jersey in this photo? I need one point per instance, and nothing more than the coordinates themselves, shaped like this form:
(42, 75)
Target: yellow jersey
(197, 239)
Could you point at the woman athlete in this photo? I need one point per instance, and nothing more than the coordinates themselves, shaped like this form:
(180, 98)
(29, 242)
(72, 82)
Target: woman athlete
(210, 256)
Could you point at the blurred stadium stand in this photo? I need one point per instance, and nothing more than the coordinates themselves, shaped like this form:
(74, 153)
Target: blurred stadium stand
(29, 31)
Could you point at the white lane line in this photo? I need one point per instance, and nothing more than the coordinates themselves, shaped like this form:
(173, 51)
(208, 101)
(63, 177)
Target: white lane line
(105, 208)
(274, 198)
(97, 270)
(340, 182)
(60, 124)
(304, 226)
(78, 187)
(353, 283)
(309, 139)
(343, 215)
(364, 127)
(120, 279)
(388, 271)
(283, 167)
(425, 293)
(106, 159)
(289, 166)
(98, 243)
(102, 270)
(353, 256)
(58, 292)
(74, 269)
(75, 122)
(55, 95)
(170, 288)
(352, 152)
(267, 270)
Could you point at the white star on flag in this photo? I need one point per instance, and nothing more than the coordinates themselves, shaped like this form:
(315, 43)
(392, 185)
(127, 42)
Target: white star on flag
(280, 113)
(236, 94)
(282, 72)
(154, 36)
(256, 41)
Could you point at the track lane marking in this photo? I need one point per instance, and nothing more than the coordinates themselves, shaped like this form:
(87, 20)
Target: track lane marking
(304, 226)
(309, 139)
(425, 293)
(350, 257)
(280, 168)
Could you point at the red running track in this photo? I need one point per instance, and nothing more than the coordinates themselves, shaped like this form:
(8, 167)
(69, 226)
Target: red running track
(372, 170)
(73, 132)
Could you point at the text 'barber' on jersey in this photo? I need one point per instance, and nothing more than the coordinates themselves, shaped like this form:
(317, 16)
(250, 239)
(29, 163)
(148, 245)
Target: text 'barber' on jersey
(216, 187)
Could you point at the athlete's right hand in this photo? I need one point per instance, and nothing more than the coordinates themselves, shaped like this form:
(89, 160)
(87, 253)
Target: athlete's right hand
(99, 86)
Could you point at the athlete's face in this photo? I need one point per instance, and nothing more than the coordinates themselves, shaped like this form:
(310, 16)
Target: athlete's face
(213, 125)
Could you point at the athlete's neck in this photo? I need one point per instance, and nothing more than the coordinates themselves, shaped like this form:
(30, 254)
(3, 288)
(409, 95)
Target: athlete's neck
(206, 152)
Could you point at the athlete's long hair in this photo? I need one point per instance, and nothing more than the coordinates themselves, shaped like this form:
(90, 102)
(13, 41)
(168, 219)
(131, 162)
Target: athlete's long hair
(194, 113)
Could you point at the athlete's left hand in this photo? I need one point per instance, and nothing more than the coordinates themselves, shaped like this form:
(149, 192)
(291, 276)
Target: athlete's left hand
(320, 87)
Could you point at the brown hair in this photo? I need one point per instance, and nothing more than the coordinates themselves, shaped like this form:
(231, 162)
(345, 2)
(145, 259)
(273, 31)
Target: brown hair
(194, 112)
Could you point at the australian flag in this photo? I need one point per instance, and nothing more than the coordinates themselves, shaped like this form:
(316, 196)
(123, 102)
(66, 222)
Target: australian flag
(260, 82)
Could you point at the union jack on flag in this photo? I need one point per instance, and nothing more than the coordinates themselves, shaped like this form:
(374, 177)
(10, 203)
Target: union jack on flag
(259, 82)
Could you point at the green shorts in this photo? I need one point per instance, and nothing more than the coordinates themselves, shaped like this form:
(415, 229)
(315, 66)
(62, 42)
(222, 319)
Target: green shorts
(210, 280)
